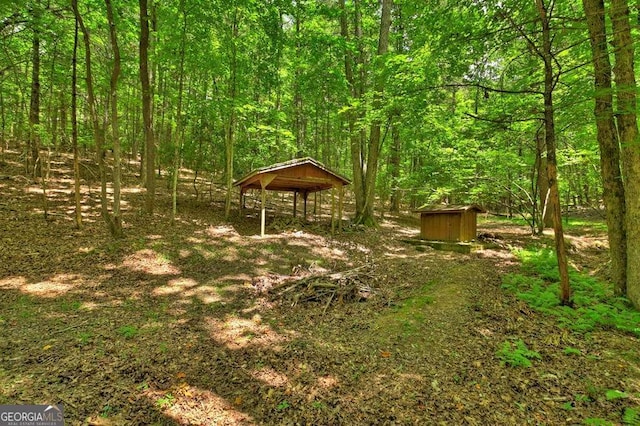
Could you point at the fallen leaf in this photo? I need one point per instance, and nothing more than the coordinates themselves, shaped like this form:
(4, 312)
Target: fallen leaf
(385, 354)
(181, 375)
(46, 347)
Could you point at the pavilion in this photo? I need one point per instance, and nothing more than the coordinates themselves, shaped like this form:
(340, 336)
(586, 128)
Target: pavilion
(300, 176)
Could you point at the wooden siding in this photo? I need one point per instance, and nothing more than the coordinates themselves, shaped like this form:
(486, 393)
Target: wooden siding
(449, 226)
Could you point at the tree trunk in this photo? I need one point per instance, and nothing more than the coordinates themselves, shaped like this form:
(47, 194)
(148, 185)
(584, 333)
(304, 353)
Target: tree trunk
(366, 216)
(613, 194)
(34, 107)
(179, 124)
(628, 131)
(550, 139)
(355, 135)
(74, 129)
(395, 168)
(230, 133)
(116, 223)
(147, 118)
(98, 131)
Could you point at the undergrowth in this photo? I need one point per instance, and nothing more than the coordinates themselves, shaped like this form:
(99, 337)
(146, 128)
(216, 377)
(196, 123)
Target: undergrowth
(516, 354)
(595, 305)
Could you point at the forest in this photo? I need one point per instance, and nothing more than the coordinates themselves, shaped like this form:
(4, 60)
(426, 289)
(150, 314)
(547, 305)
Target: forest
(127, 261)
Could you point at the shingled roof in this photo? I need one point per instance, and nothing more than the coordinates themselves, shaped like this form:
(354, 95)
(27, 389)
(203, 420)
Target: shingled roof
(298, 175)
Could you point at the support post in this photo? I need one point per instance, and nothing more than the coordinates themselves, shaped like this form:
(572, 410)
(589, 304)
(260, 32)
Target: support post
(241, 205)
(264, 182)
(295, 203)
(340, 198)
(305, 194)
(333, 209)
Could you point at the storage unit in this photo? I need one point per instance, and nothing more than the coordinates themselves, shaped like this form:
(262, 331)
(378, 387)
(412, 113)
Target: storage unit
(449, 223)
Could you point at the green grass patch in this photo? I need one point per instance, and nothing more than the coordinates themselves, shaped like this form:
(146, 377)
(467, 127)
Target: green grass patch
(595, 305)
(585, 224)
(128, 331)
(408, 316)
(631, 416)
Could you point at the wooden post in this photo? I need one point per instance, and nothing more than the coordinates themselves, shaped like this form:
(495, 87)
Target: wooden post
(333, 209)
(241, 205)
(305, 194)
(295, 203)
(264, 182)
(340, 198)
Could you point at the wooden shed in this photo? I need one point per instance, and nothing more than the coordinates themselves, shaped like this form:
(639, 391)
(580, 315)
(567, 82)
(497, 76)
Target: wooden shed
(449, 223)
(301, 176)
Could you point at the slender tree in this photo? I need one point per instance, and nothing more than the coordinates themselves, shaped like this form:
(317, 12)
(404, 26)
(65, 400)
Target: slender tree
(147, 118)
(74, 128)
(116, 222)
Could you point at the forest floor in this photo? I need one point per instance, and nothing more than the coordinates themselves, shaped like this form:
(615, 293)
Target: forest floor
(182, 324)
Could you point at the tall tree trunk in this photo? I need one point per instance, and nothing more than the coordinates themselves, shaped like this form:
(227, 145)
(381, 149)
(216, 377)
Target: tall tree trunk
(3, 123)
(147, 118)
(628, 131)
(355, 140)
(179, 124)
(297, 94)
(613, 194)
(74, 128)
(98, 131)
(116, 230)
(366, 216)
(550, 139)
(395, 167)
(34, 106)
(230, 131)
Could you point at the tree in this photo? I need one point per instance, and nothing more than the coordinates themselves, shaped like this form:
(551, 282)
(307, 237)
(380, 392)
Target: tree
(607, 135)
(628, 130)
(147, 118)
(115, 223)
(74, 128)
(550, 81)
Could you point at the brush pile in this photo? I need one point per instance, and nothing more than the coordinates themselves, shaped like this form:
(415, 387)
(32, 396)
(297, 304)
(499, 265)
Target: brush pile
(315, 284)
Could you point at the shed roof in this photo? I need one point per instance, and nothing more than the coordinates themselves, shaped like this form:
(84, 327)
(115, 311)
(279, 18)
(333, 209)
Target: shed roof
(300, 174)
(444, 208)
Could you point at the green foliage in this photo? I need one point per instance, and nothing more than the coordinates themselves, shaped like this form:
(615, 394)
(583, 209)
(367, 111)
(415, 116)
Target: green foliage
(106, 411)
(613, 394)
(128, 331)
(516, 354)
(283, 405)
(595, 304)
(631, 416)
(166, 401)
(571, 351)
(596, 421)
(408, 316)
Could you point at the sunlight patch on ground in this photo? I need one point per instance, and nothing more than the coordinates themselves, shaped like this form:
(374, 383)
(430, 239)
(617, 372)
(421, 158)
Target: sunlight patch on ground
(55, 286)
(178, 285)
(270, 377)
(244, 278)
(188, 405)
(327, 382)
(13, 282)
(237, 333)
(221, 231)
(150, 262)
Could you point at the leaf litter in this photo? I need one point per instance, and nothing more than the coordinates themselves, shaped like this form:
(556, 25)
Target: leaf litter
(204, 323)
